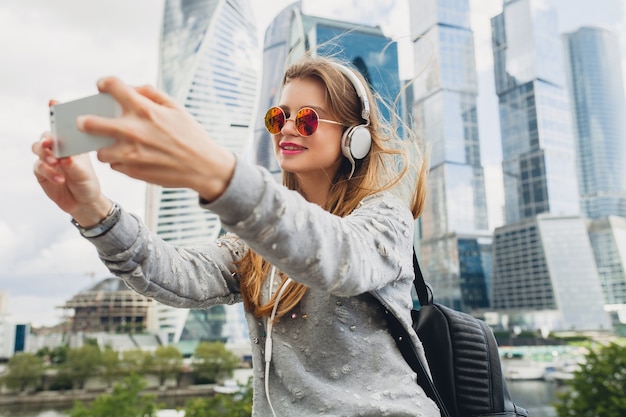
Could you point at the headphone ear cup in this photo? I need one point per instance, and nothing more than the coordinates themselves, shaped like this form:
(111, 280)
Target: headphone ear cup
(356, 142)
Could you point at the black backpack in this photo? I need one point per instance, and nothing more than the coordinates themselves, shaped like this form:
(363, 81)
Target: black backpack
(467, 378)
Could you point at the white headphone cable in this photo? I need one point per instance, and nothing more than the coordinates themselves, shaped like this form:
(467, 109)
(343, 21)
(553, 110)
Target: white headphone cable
(268, 339)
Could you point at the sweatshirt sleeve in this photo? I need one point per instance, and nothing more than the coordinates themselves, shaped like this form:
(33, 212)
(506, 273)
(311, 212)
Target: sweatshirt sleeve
(194, 277)
(347, 256)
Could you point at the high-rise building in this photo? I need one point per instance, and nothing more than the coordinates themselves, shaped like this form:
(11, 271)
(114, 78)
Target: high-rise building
(291, 34)
(455, 241)
(538, 153)
(593, 64)
(208, 63)
(608, 240)
(546, 276)
(544, 269)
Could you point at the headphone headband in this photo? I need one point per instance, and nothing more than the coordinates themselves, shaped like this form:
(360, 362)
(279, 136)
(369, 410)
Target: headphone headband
(360, 91)
(356, 141)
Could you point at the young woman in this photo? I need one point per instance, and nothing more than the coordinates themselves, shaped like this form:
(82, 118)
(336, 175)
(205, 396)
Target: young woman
(311, 259)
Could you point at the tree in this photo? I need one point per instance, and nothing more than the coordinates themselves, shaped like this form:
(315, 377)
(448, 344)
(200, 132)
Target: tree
(82, 363)
(110, 361)
(213, 362)
(233, 405)
(137, 361)
(24, 370)
(57, 355)
(597, 389)
(125, 401)
(168, 361)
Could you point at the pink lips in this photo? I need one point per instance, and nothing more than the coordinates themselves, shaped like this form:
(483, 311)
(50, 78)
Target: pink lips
(289, 148)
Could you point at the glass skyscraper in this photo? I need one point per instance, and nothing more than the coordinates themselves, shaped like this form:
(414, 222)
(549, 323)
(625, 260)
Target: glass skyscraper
(208, 63)
(546, 276)
(608, 240)
(538, 153)
(593, 63)
(291, 34)
(544, 268)
(455, 241)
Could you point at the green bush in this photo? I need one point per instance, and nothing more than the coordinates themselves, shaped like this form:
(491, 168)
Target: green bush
(598, 388)
(232, 405)
(125, 401)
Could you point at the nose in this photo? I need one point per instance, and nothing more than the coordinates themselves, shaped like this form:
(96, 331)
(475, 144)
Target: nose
(290, 128)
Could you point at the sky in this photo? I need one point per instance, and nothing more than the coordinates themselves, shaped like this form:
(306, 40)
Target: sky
(58, 49)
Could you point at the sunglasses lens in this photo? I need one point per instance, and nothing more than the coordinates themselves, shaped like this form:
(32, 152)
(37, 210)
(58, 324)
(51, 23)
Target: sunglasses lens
(306, 121)
(274, 120)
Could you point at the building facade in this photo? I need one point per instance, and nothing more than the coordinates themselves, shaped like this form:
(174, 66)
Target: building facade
(455, 237)
(111, 307)
(593, 64)
(538, 152)
(208, 62)
(546, 276)
(608, 241)
(544, 268)
(13, 337)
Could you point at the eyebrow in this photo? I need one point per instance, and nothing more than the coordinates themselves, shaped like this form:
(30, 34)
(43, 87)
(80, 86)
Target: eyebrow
(318, 109)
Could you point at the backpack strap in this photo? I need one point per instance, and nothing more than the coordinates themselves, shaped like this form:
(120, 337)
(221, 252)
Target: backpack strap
(420, 285)
(405, 345)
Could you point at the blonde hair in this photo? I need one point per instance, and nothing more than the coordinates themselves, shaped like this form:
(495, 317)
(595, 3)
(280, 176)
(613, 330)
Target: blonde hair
(390, 165)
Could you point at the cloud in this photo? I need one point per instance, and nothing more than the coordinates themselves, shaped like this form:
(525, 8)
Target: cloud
(41, 311)
(58, 50)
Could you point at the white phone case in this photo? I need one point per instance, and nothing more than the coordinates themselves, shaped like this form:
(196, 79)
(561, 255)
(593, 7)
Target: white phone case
(68, 140)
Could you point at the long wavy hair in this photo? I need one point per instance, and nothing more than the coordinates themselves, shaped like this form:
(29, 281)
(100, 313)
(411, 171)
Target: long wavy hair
(392, 164)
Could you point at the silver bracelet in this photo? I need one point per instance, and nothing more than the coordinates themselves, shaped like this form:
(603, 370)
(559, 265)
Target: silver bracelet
(103, 226)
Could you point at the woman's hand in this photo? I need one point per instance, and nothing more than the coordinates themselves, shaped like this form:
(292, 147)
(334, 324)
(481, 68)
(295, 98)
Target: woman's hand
(159, 142)
(71, 183)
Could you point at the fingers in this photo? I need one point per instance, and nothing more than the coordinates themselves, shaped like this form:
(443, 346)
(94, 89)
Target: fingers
(43, 149)
(46, 172)
(46, 167)
(123, 94)
(155, 95)
(134, 102)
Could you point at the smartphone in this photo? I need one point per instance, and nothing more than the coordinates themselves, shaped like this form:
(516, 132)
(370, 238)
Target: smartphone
(68, 140)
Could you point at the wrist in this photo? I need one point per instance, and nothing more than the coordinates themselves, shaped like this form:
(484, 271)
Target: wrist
(90, 215)
(209, 189)
(103, 226)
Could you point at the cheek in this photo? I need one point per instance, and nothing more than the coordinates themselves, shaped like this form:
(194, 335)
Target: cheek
(332, 150)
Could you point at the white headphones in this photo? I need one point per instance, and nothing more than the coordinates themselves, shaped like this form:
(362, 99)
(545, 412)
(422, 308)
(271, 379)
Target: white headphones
(356, 140)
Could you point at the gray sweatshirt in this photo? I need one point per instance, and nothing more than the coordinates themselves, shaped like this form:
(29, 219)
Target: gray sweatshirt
(332, 355)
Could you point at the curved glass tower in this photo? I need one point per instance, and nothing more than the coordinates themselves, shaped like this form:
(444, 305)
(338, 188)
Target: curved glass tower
(208, 63)
(593, 63)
